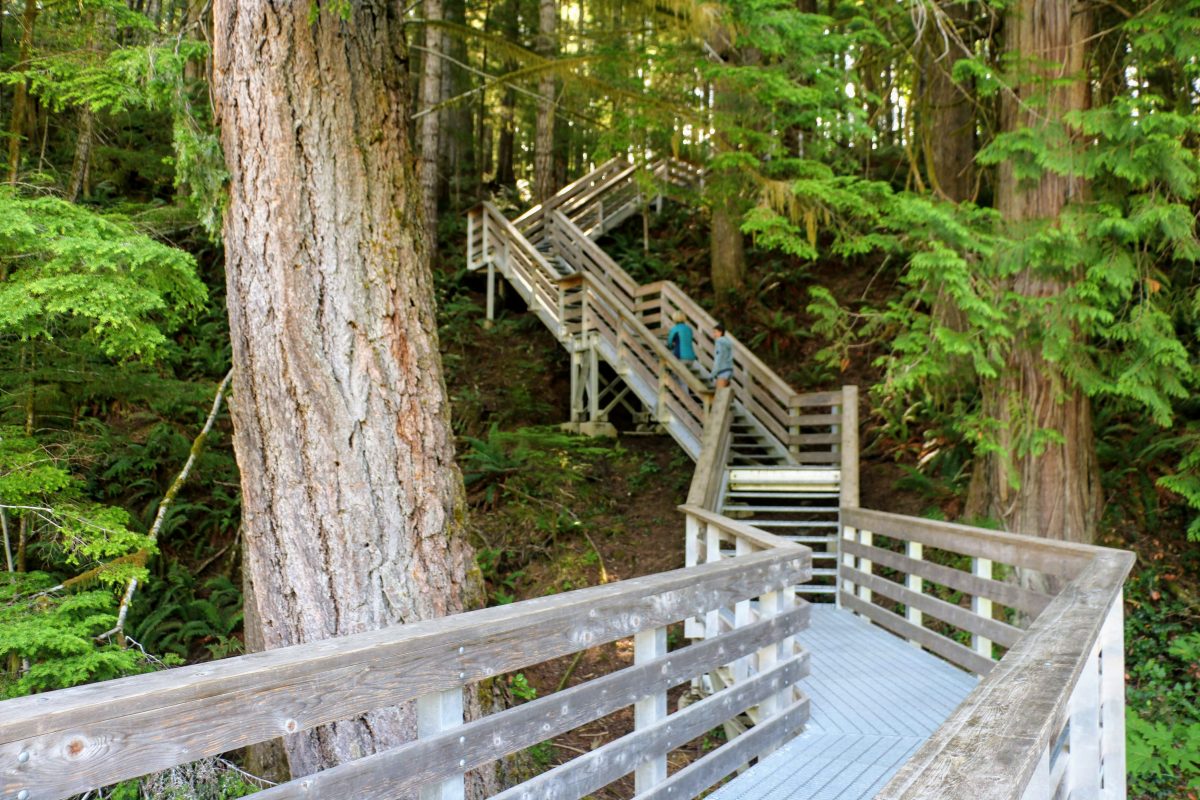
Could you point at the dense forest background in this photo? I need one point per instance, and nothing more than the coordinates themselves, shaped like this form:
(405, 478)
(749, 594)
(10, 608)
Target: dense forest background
(984, 213)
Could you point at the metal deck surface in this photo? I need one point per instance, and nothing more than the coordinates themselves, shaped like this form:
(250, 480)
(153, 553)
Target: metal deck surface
(875, 700)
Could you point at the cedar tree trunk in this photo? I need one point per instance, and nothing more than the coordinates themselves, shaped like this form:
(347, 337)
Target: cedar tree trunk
(1058, 489)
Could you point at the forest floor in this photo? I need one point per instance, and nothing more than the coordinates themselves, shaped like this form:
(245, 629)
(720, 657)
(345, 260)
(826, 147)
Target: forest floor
(553, 512)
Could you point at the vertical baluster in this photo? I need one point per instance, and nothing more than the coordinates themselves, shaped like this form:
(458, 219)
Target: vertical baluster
(914, 550)
(1083, 766)
(848, 560)
(769, 605)
(982, 606)
(471, 239)
(741, 615)
(693, 627)
(1112, 702)
(848, 467)
(712, 543)
(865, 565)
(1038, 787)
(437, 713)
(647, 646)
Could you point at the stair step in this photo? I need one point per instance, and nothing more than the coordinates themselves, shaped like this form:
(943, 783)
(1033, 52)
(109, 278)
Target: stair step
(794, 523)
(773, 493)
(782, 509)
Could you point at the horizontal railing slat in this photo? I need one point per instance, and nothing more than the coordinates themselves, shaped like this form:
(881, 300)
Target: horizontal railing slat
(387, 774)
(962, 618)
(1007, 594)
(607, 763)
(1043, 555)
(703, 773)
(755, 536)
(101, 733)
(950, 650)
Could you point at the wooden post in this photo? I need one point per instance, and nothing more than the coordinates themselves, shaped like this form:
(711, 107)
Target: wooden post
(865, 565)
(437, 713)
(849, 474)
(741, 616)
(712, 547)
(1083, 766)
(593, 382)
(982, 606)
(1112, 702)
(849, 446)
(491, 292)
(647, 646)
(915, 583)
(1038, 787)
(693, 627)
(769, 605)
(470, 240)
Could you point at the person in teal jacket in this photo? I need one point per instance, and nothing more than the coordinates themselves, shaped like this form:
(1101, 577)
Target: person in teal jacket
(679, 340)
(722, 371)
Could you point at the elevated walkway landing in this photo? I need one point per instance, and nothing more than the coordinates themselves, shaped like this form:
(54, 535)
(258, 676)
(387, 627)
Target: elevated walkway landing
(875, 700)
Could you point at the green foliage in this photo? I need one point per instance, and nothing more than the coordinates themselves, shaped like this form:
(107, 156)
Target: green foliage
(1163, 666)
(47, 640)
(520, 687)
(72, 272)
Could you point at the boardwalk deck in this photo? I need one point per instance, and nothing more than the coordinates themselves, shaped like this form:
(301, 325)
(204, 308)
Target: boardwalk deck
(875, 700)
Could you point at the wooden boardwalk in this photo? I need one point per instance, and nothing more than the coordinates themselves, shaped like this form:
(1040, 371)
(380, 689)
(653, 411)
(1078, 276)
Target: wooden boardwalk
(875, 700)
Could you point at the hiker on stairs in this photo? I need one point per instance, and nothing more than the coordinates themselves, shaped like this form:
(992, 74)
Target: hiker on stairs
(722, 371)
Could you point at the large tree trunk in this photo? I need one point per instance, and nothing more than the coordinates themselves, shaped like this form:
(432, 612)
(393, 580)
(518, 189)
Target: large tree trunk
(431, 95)
(727, 248)
(458, 140)
(19, 124)
(83, 154)
(947, 114)
(1053, 493)
(352, 505)
(543, 150)
(506, 144)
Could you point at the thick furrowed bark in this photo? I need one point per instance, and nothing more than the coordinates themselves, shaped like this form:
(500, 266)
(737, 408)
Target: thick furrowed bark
(352, 504)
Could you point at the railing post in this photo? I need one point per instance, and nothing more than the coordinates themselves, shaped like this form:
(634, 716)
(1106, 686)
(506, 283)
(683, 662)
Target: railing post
(982, 606)
(1112, 702)
(693, 627)
(1038, 787)
(1083, 764)
(491, 292)
(916, 551)
(848, 486)
(647, 646)
(741, 616)
(712, 548)
(437, 713)
(470, 240)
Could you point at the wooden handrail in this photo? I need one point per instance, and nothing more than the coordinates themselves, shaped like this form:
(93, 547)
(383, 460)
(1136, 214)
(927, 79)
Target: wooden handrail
(705, 489)
(999, 743)
(1048, 556)
(755, 536)
(60, 743)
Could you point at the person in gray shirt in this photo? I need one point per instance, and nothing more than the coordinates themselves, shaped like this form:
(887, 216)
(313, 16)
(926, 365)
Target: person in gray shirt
(722, 371)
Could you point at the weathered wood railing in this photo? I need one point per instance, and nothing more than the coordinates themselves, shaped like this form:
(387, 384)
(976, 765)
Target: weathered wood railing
(1047, 719)
(56, 744)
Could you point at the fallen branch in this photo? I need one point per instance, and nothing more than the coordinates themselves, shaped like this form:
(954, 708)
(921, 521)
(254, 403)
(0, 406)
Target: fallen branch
(118, 630)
